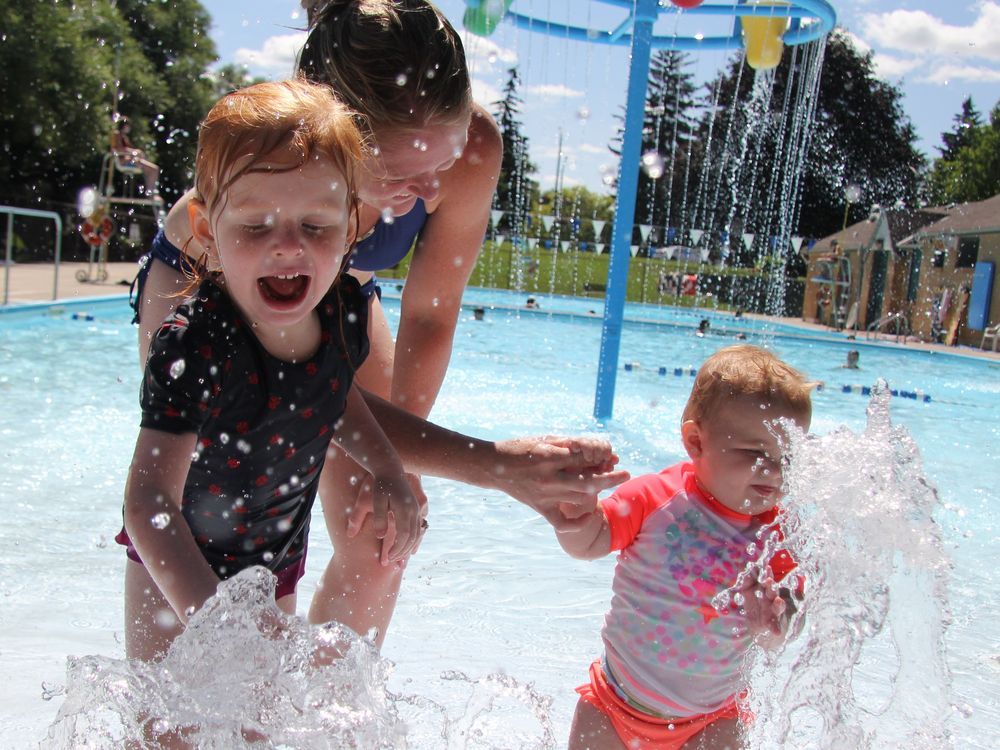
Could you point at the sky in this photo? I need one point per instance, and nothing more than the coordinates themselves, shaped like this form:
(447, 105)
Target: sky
(938, 52)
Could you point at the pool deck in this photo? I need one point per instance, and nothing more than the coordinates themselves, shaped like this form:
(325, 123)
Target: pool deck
(33, 283)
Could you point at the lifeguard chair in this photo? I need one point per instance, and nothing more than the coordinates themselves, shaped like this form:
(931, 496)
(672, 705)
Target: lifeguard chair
(126, 189)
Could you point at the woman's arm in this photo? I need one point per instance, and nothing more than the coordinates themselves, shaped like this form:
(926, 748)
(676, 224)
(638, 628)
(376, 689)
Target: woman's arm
(539, 472)
(442, 262)
(156, 526)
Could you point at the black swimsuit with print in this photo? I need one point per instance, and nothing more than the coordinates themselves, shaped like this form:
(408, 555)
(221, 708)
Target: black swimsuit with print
(263, 424)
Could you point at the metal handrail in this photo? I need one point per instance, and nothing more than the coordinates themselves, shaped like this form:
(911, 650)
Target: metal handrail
(13, 211)
(898, 318)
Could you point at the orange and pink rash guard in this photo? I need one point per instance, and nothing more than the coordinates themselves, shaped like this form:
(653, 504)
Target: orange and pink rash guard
(669, 650)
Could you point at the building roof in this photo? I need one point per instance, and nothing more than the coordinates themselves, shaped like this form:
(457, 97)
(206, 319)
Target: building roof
(900, 223)
(908, 227)
(967, 218)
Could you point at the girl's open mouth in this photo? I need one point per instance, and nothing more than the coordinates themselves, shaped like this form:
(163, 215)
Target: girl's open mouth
(286, 289)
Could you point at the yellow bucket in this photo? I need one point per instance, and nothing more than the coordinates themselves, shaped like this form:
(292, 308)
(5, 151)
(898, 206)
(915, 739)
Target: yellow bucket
(762, 37)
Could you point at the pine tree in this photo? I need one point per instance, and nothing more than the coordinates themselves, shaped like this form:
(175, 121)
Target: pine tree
(663, 189)
(515, 190)
(961, 135)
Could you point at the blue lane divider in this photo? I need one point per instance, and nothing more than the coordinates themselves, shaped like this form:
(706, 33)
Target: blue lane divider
(864, 390)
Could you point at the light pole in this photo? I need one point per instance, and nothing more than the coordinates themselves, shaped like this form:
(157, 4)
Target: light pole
(852, 194)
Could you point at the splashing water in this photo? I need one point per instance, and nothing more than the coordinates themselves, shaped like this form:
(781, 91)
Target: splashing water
(858, 520)
(245, 674)
(240, 666)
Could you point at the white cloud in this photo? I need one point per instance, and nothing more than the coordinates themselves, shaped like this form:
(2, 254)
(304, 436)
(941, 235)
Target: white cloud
(887, 66)
(589, 148)
(945, 74)
(276, 57)
(920, 33)
(484, 55)
(553, 91)
(485, 93)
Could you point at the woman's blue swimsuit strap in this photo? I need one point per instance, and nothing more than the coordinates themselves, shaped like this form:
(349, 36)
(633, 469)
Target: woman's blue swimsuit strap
(390, 241)
(164, 251)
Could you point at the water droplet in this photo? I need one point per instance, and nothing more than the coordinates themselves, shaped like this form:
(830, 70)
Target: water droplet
(285, 524)
(267, 556)
(161, 726)
(160, 520)
(652, 165)
(37, 129)
(177, 368)
(333, 186)
(608, 179)
(492, 57)
(583, 114)
(401, 79)
(224, 438)
(387, 217)
(50, 691)
(243, 446)
(739, 600)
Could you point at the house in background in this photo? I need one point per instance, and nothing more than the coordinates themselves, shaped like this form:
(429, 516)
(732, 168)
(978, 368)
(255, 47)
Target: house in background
(929, 273)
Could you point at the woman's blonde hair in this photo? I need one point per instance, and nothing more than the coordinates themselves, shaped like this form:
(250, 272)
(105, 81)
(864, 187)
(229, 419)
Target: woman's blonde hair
(283, 123)
(400, 63)
(746, 370)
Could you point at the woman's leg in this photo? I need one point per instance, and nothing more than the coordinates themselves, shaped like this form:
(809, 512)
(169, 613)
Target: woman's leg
(355, 589)
(592, 729)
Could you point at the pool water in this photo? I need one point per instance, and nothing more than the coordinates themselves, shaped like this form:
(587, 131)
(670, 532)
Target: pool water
(490, 606)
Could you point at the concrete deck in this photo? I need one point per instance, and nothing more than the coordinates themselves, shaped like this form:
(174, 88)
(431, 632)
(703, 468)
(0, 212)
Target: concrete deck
(33, 282)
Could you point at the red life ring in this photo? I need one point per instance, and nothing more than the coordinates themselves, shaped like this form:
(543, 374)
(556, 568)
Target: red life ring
(689, 284)
(97, 233)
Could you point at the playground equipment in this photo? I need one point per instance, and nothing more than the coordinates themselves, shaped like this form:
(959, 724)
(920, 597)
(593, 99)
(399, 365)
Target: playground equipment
(791, 23)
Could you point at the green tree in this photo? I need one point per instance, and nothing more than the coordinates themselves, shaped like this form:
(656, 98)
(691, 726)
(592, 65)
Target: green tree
(578, 207)
(969, 167)
(966, 122)
(668, 129)
(515, 189)
(174, 38)
(860, 134)
(69, 66)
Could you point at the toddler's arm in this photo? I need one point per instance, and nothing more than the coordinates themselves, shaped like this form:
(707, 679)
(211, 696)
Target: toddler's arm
(393, 498)
(585, 537)
(156, 526)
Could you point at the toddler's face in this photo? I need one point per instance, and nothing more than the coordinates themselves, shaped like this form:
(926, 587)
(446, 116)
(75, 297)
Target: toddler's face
(736, 453)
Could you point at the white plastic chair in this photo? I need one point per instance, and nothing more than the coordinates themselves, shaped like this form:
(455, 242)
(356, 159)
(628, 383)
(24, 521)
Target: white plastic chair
(992, 334)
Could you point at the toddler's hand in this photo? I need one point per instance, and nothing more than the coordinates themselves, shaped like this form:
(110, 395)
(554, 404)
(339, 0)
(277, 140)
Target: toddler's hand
(764, 607)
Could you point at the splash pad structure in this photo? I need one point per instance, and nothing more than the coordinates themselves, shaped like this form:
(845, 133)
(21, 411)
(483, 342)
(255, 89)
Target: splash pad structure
(763, 28)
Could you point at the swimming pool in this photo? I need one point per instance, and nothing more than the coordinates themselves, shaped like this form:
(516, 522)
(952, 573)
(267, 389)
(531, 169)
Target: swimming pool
(489, 592)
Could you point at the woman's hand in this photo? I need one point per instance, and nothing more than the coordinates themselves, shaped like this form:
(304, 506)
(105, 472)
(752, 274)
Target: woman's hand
(554, 475)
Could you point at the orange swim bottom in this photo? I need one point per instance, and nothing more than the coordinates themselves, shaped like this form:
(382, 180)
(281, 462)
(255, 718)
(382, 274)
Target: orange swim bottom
(639, 731)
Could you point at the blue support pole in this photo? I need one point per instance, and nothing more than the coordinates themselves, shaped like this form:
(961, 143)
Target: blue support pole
(621, 232)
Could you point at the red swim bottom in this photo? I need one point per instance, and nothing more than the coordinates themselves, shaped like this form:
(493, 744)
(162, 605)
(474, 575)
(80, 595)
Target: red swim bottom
(639, 731)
